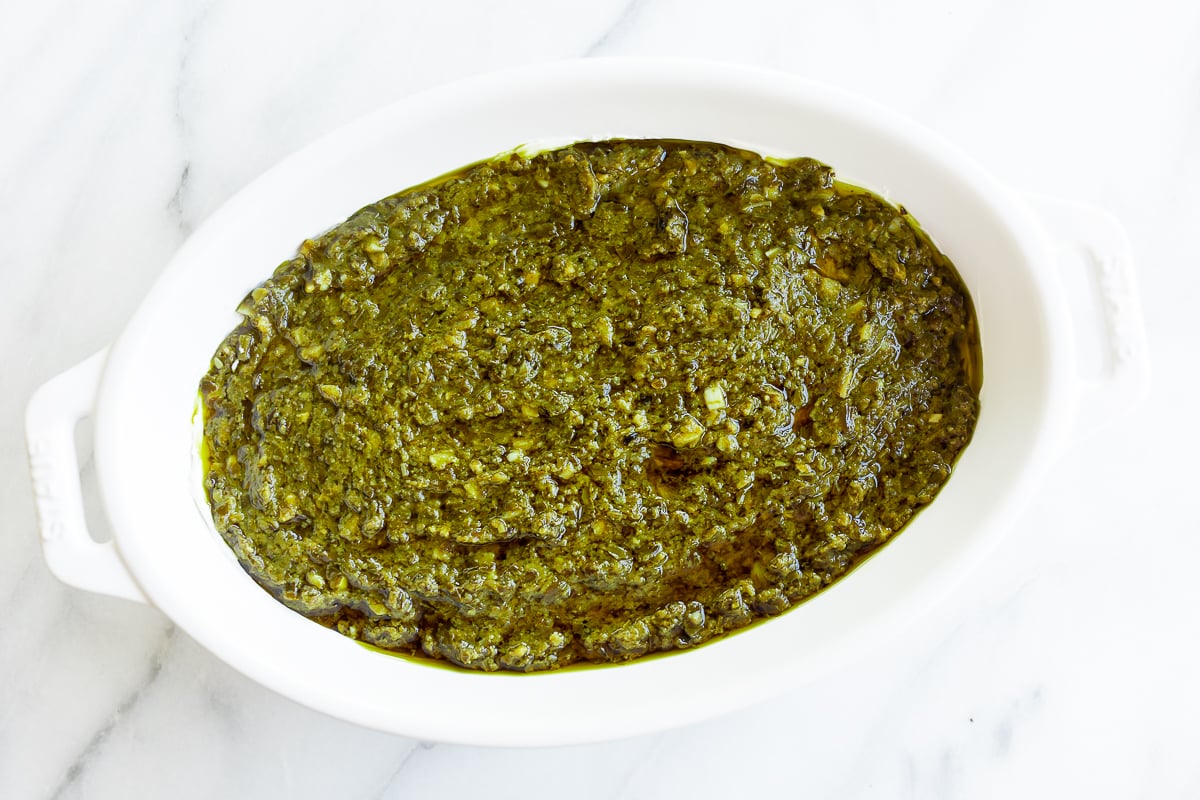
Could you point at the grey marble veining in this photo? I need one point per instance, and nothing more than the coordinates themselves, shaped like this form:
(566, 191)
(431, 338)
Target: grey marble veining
(1068, 673)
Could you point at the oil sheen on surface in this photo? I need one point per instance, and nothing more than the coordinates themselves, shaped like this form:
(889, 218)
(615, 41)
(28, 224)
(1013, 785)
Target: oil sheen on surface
(617, 398)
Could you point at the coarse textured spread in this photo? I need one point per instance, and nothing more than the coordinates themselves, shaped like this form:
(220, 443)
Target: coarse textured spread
(612, 399)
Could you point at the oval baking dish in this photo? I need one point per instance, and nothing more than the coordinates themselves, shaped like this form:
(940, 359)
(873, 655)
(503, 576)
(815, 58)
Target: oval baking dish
(142, 394)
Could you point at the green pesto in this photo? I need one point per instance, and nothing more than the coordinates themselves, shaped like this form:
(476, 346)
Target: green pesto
(584, 405)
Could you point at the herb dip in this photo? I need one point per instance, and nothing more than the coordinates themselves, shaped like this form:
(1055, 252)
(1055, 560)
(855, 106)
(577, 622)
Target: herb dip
(584, 405)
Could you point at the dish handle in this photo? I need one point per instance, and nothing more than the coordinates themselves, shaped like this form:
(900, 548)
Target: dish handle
(72, 554)
(1096, 265)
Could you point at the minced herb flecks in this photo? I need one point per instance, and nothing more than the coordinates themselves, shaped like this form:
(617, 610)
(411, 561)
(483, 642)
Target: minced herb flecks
(617, 398)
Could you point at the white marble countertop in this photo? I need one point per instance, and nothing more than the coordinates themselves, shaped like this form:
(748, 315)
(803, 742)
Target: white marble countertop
(1072, 674)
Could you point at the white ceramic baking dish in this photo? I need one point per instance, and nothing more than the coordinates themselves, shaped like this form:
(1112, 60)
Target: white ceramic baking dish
(142, 396)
